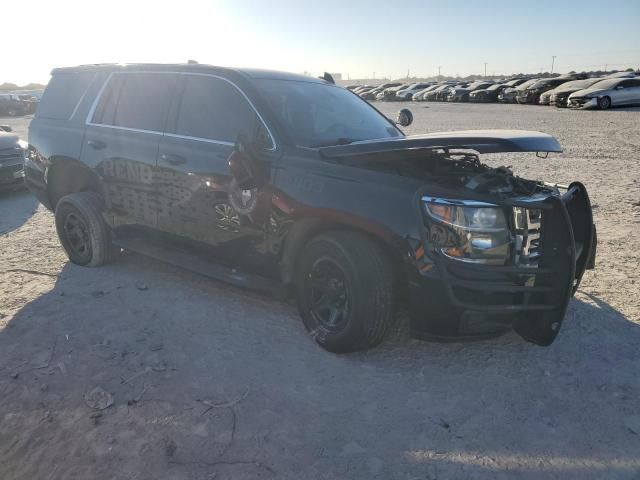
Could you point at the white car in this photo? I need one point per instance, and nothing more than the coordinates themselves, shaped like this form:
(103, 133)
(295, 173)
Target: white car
(607, 93)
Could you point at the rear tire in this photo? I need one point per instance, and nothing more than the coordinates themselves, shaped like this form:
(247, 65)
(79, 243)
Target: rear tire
(604, 103)
(81, 229)
(345, 291)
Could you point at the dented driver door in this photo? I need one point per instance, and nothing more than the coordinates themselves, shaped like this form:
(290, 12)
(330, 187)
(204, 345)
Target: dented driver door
(199, 198)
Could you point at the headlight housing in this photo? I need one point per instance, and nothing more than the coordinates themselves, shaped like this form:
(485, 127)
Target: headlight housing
(468, 231)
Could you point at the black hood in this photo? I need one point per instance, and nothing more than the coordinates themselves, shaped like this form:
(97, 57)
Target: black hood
(482, 141)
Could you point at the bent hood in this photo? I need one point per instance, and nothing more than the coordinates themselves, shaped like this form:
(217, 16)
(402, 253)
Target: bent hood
(482, 141)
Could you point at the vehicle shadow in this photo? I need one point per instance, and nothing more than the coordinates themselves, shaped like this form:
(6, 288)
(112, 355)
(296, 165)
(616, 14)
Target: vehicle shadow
(16, 207)
(209, 379)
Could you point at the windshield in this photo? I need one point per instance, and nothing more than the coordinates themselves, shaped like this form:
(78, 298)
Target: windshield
(495, 86)
(608, 84)
(526, 84)
(577, 84)
(317, 114)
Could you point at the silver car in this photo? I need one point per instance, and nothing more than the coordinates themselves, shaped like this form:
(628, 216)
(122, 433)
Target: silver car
(607, 93)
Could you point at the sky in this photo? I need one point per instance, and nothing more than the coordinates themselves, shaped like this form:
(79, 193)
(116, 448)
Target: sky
(359, 39)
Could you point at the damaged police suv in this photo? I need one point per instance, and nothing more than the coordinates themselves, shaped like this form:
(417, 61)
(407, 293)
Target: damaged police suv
(292, 185)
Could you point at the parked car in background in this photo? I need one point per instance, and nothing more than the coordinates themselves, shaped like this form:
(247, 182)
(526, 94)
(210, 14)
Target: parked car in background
(621, 75)
(363, 89)
(508, 95)
(531, 94)
(461, 93)
(371, 94)
(419, 96)
(409, 92)
(559, 96)
(12, 156)
(37, 94)
(389, 94)
(12, 105)
(440, 94)
(179, 162)
(611, 92)
(489, 94)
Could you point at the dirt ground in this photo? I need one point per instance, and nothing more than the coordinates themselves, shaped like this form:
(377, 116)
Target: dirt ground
(209, 381)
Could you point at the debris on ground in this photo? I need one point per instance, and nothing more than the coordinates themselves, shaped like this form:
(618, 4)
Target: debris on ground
(98, 398)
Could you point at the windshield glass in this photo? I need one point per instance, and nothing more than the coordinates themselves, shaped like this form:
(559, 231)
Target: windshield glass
(495, 86)
(607, 84)
(526, 84)
(577, 84)
(317, 114)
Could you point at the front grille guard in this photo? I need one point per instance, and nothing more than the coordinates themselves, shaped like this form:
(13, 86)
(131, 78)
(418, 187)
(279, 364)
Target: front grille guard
(567, 244)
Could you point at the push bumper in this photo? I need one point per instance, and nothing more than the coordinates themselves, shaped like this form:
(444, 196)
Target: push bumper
(452, 300)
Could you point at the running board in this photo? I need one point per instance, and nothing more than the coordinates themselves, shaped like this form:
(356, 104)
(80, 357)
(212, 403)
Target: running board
(197, 264)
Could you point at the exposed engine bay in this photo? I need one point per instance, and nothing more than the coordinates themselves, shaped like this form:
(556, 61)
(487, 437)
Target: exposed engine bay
(454, 169)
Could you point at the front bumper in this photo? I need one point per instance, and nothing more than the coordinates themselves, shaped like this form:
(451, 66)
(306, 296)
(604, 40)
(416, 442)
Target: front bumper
(526, 98)
(450, 300)
(558, 100)
(11, 176)
(509, 98)
(582, 102)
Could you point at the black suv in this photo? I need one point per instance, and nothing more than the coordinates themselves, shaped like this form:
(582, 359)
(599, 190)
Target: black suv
(292, 185)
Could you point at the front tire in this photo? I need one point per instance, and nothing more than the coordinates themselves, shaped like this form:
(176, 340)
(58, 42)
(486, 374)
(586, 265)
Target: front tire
(604, 103)
(345, 291)
(81, 229)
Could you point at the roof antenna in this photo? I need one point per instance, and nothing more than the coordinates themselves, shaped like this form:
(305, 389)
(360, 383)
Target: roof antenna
(328, 78)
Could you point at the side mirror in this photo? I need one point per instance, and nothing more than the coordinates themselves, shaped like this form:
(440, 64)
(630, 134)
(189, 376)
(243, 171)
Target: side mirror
(405, 117)
(6, 128)
(243, 165)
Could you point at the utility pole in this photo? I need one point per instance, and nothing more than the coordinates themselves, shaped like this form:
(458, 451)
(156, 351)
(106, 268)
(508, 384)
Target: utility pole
(553, 61)
(485, 69)
(439, 67)
(374, 75)
(408, 73)
(605, 67)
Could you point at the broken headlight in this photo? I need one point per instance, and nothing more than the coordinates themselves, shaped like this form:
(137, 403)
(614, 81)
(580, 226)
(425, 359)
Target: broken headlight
(469, 231)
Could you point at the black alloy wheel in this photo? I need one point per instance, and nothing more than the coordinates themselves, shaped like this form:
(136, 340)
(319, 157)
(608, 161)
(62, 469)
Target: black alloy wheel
(604, 103)
(328, 294)
(76, 233)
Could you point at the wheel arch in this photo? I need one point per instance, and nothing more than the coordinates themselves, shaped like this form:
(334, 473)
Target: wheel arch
(306, 229)
(67, 175)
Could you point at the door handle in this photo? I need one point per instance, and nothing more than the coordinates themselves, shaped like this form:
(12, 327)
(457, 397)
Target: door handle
(172, 159)
(96, 144)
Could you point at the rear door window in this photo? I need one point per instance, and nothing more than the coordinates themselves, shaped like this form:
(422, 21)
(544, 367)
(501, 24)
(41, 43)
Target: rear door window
(63, 93)
(211, 108)
(137, 100)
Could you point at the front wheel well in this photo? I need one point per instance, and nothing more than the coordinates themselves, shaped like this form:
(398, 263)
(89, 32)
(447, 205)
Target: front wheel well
(66, 175)
(306, 230)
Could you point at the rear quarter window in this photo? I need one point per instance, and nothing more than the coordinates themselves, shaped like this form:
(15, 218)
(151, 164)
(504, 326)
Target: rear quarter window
(136, 100)
(63, 93)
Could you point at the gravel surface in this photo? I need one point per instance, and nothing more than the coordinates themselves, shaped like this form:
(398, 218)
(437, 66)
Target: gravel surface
(139, 370)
